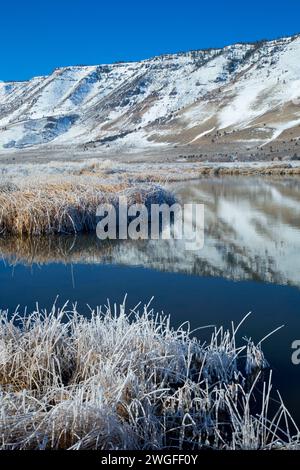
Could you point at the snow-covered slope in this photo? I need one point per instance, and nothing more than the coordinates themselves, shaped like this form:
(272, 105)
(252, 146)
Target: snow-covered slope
(247, 92)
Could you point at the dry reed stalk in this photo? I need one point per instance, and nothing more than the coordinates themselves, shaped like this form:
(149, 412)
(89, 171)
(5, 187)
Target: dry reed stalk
(65, 207)
(127, 380)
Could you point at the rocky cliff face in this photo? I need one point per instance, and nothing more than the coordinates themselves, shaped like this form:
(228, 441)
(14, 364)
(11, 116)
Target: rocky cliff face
(243, 93)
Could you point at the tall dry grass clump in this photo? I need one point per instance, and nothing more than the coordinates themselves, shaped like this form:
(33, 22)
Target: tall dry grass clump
(119, 380)
(66, 207)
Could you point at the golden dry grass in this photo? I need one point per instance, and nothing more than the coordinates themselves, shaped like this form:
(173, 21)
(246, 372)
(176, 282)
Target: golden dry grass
(63, 207)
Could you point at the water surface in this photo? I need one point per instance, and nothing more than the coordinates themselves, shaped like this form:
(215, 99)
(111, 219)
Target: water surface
(250, 262)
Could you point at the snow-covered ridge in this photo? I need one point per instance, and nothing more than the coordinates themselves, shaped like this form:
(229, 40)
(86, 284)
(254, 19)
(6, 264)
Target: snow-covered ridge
(247, 91)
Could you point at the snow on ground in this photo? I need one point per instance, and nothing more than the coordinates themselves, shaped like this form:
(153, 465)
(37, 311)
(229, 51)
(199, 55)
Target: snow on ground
(202, 134)
(279, 128)
(232, 86)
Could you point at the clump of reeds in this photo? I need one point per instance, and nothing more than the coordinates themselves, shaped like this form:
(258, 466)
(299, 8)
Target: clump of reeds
(65, 207)
(120, 380)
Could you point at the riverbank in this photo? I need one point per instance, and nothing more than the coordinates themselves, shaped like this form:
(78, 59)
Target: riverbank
(45, 204)
(62, 197)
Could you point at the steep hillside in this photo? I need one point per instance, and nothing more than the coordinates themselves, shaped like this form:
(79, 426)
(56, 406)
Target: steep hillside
(244, 93)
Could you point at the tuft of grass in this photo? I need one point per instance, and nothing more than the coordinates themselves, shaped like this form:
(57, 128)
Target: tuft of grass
(65, 207)
(126, 380)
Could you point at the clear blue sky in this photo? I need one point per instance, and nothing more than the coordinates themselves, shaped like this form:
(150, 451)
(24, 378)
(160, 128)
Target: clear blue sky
(38, 35)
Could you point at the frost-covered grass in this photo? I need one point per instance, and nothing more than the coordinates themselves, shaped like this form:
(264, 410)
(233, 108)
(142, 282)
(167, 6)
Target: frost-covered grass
(127, 380)
(62, 198)
(66, 206)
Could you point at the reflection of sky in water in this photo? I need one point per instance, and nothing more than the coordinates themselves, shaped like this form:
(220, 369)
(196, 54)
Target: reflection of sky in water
(252, 231)
(252, 234)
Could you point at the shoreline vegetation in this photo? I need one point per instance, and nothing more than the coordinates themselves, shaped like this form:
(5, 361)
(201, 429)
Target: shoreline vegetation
(62, 197)
(124, 379)
(66, 207)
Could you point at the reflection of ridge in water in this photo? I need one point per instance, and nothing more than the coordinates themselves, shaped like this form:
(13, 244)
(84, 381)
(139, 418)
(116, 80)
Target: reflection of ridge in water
(252, 232)
(163, 255)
